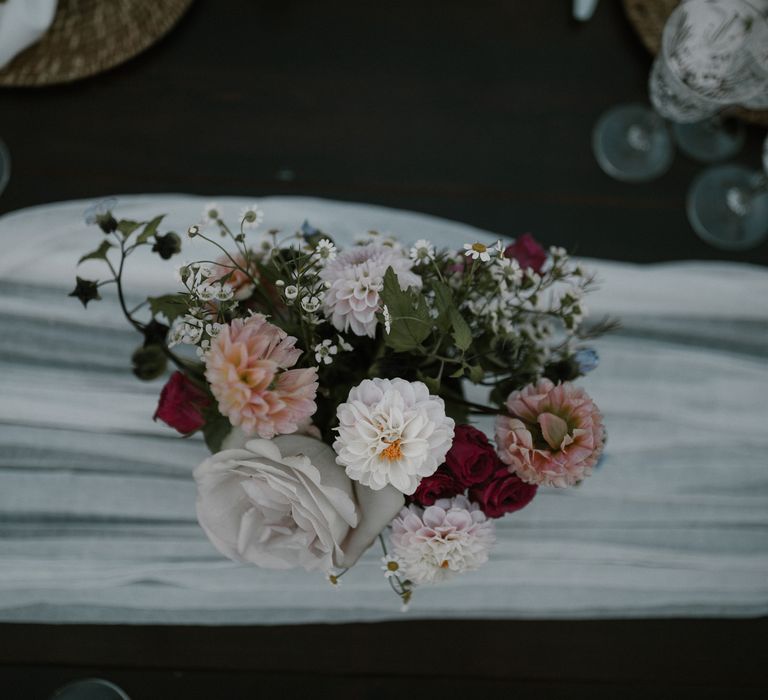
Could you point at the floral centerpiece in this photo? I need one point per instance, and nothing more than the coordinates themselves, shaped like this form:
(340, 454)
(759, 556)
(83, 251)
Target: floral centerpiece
(331, 388)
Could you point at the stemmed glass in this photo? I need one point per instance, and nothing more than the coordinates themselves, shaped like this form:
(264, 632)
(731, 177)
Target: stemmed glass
(714, 55)
(728, 205)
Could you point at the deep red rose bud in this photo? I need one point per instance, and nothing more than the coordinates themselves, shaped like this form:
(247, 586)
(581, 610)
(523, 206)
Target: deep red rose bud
(527, 251)
(471, 459)
(441, 484)
(181, 404)
(504, 493)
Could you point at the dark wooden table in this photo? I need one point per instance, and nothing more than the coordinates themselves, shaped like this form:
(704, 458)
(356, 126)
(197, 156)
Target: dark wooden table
(480, 112)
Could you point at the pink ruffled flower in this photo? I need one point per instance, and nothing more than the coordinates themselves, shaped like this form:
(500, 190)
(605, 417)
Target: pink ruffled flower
(553, 435)
(248, 370)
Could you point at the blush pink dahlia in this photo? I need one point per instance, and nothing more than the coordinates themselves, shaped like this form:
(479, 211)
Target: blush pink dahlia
(356, 277)
(247, 367)
(553, 435)
(450, 537)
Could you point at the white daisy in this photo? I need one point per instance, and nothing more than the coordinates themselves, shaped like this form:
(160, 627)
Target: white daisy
(251, 217)
(392, 432)
(392, 566)
(422, 252)
(325, 351)
(324, 250)
(333, 579)
(211, 214)
(477, 250)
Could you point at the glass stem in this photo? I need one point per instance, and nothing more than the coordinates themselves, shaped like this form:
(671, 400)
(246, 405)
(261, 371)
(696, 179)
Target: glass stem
(639, 138)
(739, 199)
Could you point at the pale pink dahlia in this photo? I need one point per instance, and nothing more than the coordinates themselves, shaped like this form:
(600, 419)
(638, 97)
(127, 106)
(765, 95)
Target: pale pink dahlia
(356, 277)
(553, 435)
(450, 537)
(247, 368)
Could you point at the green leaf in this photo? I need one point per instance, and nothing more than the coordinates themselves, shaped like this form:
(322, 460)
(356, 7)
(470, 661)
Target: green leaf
(127, 227)
(458, 373)
(433, 383)
(462, 335)
(149, 230)
(476, 373)
(169, 305)
(216, 428)
(411, 323)
(99, 254)
(444, 303)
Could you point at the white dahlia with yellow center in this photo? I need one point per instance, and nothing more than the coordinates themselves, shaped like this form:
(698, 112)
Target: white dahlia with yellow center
(392, 432)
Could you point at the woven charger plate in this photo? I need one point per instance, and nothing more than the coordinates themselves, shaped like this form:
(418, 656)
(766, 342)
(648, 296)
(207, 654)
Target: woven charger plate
(90, 36)
(649, 17)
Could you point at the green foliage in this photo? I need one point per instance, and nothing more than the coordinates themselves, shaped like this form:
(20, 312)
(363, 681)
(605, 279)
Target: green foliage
(127, 227)
(169, 305)
(216, 428)
(411, 323)
(99, 254)
(462, 335)
(150, 229)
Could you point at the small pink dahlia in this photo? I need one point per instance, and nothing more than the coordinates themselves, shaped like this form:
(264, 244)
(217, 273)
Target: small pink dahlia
(553, 435)
(247, 368)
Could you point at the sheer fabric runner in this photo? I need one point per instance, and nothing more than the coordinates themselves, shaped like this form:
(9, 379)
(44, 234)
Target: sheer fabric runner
(97, 518)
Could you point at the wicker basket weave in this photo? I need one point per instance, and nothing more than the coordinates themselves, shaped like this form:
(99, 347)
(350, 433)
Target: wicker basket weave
(91, 36)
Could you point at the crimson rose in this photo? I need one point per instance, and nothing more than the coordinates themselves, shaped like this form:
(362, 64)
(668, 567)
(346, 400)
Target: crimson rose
(504, 493)
(527, 251)
(471, 459)
(441, 484)
(181, 404)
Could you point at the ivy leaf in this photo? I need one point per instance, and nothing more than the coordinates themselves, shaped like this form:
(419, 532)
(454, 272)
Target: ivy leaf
(462, 335)
(169, 305)
(99, 254)
(127, 227)
(149, 230)
(411, 323)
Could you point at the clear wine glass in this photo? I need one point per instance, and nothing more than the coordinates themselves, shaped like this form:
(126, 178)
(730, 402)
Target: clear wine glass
(714, 55)
(728, 205)
(5, 166)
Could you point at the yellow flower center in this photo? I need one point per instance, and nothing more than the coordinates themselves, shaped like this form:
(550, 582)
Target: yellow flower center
(479, 247)
(392, 566)
(333, 579)
(392, 451)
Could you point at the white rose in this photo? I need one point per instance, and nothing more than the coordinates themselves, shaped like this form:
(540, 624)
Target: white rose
(285, 502)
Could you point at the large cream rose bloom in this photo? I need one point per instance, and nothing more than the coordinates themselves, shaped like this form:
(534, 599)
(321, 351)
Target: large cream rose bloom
(285, 502)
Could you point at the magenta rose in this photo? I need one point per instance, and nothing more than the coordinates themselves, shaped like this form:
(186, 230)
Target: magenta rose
(471, 459)
(181, 404)
(439, 485)
(504, 493)
(527, 251)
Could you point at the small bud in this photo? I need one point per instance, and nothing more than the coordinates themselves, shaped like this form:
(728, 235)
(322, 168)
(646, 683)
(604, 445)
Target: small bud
(148, 362)
(85, 291)
(193, 231)
(166, 246)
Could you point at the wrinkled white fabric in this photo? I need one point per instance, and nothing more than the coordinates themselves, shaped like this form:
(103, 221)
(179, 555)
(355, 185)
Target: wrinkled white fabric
(97, 502)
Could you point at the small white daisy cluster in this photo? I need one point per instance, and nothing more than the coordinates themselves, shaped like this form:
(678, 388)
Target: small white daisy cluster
(435, 543)
(194, 328)
(356, 278)
(483, 253)
(202, 284)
